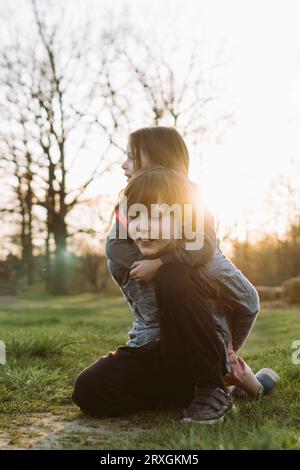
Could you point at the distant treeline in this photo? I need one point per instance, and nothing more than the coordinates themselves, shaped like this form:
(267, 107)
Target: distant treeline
(271, 261)
(86, 273)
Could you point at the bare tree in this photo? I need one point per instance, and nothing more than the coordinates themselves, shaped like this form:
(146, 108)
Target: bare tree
(173, 92)
(44, 83)
(65, 83)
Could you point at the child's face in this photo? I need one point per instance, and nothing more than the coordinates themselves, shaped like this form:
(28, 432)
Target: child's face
(129, 165)
(160, 228)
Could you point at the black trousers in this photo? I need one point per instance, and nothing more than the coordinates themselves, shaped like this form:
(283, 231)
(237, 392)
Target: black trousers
(163, 372)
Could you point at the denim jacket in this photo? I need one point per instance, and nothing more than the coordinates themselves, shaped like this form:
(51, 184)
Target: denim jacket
(228, 285)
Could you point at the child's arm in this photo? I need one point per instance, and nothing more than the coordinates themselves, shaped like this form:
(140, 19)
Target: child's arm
(122, 252)
(145, 270)
(196, 258)
(125, 253)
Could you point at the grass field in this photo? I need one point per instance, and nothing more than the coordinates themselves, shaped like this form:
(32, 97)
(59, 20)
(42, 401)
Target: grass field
(50, 339)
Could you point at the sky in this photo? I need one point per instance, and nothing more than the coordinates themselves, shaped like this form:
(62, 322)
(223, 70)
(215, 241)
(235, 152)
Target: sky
(259, 82)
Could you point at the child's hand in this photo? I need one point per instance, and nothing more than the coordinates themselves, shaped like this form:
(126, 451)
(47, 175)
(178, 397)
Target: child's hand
(145, 270)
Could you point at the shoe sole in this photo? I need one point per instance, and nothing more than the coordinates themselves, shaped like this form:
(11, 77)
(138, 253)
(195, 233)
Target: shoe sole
(210, 421)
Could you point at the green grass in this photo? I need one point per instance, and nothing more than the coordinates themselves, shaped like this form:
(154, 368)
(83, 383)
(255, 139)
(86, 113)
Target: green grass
(49, 340)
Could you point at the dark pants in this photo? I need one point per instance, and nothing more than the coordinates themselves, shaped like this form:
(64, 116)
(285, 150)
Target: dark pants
(161, 372)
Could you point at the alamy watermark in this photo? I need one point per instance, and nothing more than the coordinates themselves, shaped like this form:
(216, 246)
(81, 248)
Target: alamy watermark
(163, 221)
(2, 353)
(296, 353)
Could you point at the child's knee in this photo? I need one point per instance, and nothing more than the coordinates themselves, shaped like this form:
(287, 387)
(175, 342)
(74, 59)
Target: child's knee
(80, 390)
(88, 392)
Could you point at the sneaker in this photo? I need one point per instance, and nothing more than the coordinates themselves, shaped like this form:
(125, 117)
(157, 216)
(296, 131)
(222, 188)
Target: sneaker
(268, 379)
(209, 405)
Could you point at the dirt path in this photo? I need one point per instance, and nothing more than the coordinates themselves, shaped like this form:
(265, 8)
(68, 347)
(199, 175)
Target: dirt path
(48, 431)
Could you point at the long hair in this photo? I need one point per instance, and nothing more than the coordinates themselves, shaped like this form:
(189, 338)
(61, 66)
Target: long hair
(162, 146)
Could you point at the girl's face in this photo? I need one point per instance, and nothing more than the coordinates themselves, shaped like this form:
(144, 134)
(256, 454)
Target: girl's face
(129, 166)
(145, 225)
